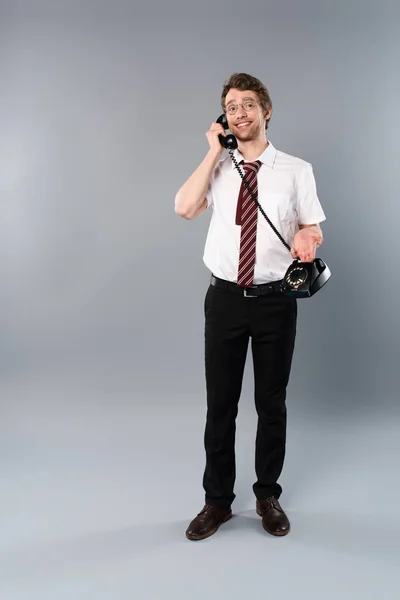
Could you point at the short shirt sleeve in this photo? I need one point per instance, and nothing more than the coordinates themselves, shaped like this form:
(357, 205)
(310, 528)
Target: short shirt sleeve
(309, 208)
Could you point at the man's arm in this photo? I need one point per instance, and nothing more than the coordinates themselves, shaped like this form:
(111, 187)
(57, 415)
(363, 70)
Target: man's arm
(190, 201)
(310, 214)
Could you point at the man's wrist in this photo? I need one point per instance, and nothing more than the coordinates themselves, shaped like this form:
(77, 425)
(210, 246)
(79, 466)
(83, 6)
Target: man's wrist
(214, 155)
(312, 232)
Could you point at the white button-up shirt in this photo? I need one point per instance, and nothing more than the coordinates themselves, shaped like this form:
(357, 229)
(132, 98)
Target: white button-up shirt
(286, 191)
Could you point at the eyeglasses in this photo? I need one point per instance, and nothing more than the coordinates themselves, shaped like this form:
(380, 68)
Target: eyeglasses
(247, 106)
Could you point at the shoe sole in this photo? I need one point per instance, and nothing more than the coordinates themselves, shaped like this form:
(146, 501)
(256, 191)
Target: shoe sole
(196, 538)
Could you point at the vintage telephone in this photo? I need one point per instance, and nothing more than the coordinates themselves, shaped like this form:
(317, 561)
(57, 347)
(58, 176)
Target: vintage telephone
(301, 279)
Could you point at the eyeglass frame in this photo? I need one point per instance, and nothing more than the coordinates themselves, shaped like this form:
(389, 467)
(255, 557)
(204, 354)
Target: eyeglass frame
(242, 105)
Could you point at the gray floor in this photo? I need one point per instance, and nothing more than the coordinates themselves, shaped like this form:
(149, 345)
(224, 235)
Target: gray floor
(99, 481)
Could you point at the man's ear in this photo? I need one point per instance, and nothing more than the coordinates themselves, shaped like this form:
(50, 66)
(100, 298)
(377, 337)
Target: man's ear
(268, 114)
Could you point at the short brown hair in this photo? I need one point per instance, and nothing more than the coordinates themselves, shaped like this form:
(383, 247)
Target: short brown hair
(243, 81)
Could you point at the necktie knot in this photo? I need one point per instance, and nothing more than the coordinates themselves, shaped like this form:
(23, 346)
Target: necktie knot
(249, 167)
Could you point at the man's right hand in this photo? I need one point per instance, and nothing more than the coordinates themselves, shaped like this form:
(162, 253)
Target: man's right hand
(212, 135)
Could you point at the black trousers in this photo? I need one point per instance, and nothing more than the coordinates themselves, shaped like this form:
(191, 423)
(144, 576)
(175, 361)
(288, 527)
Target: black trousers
(230, 321)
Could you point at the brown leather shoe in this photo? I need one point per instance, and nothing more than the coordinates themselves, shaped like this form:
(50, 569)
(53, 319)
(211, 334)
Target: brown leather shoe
(274, 519)
(207, 522)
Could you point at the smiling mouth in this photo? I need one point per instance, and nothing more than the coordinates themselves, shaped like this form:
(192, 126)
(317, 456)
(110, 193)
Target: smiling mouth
(245, 124)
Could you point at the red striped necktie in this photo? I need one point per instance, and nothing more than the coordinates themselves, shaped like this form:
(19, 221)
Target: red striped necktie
(246, 216)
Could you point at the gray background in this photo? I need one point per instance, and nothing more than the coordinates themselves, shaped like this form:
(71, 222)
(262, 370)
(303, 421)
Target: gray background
(103, 114)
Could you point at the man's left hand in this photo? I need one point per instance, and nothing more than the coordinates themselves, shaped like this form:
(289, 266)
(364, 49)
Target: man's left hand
(306, 242)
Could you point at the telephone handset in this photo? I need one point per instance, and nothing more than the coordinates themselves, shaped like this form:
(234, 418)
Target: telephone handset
(301, 280)
(229, 142)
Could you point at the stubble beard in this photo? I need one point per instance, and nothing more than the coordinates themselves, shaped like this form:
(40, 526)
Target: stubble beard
(250, 135)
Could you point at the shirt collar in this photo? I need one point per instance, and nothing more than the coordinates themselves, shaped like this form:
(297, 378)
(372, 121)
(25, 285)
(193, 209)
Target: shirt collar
(267, 157)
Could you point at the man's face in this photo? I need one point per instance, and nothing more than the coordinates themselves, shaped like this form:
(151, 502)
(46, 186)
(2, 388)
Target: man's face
(248, 122)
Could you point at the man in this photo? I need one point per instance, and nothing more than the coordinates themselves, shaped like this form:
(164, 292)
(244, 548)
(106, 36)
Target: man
(247, 261)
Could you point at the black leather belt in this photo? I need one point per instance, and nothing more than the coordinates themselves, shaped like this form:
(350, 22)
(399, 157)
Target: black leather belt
(250, 292)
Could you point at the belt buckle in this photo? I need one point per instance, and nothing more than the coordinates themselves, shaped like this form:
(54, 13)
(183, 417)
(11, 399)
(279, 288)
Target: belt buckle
(247, 295)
